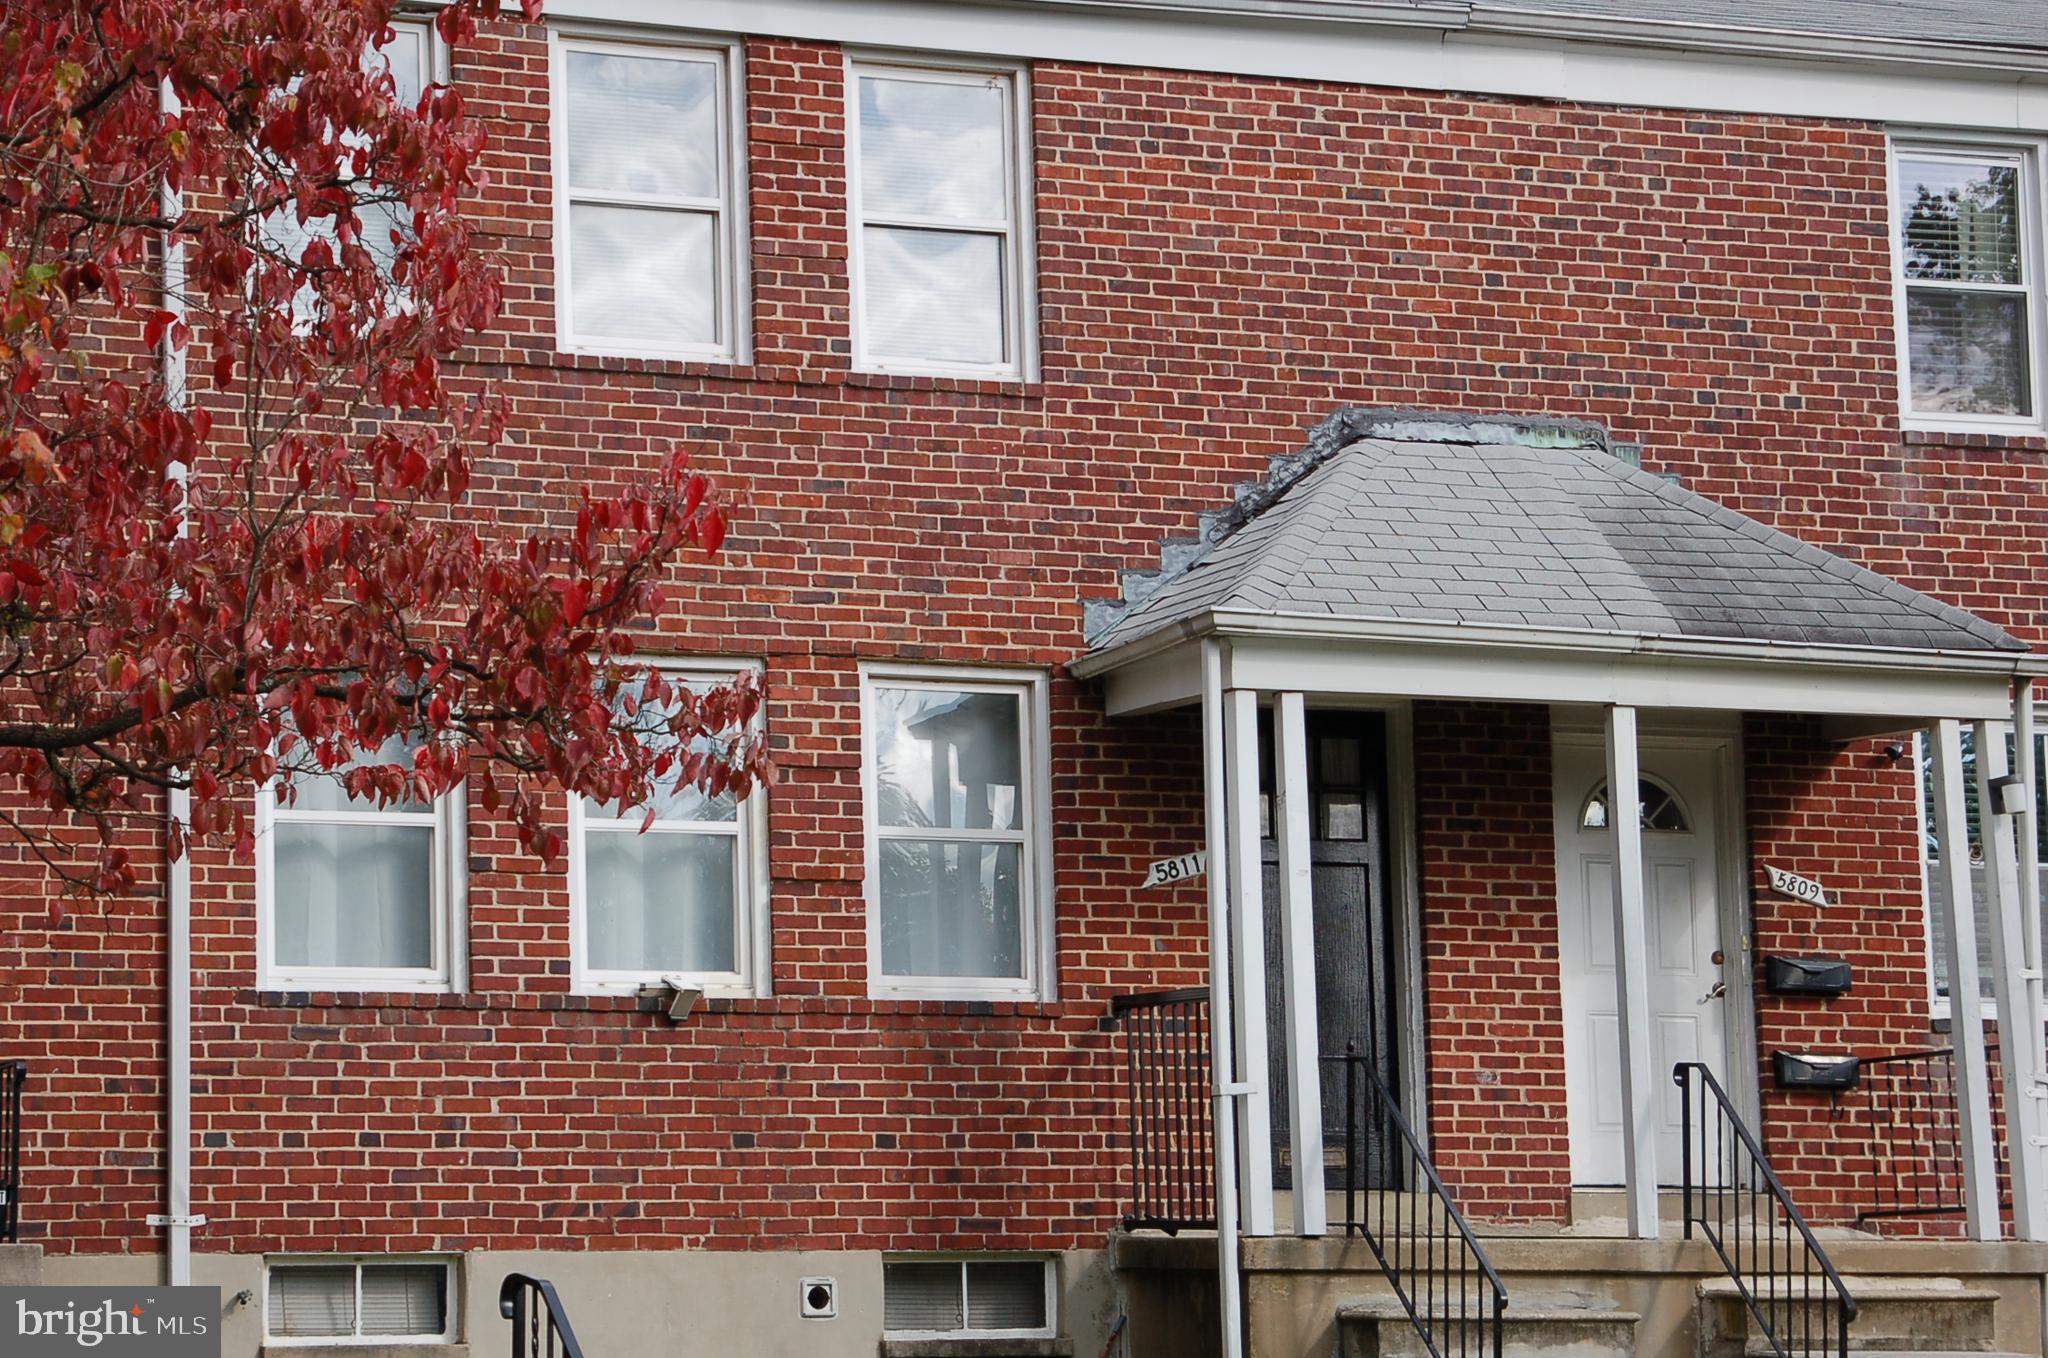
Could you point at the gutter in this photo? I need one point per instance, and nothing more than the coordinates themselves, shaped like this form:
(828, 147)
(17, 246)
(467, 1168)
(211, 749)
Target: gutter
(1478, 17)
(177, 1219)
(1323, 627)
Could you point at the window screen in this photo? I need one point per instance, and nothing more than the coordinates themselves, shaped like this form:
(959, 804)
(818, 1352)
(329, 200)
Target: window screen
(312, 1302)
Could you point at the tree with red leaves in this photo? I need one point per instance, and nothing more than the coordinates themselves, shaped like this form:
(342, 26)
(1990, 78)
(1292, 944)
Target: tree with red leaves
(234, 461)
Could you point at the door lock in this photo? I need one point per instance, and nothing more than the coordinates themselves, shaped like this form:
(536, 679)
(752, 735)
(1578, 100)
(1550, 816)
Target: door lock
(1720, 988)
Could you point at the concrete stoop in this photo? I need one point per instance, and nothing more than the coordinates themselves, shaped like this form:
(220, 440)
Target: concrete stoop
(1530, 1328)
(21, 1265)
(1893, 1316)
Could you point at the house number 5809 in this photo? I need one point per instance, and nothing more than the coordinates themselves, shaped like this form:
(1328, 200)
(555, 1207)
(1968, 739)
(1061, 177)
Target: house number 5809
(1797, 887)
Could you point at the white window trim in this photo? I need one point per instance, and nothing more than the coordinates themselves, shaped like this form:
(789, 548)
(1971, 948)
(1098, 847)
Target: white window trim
(1020, 252)
(753, 930)
(450, 1316)
(732, 297)
(450, 905)
(1906, 143)
(1049, 1330)
(1035, 899)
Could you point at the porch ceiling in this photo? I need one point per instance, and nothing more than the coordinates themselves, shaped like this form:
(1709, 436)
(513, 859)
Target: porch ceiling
(1431, 552)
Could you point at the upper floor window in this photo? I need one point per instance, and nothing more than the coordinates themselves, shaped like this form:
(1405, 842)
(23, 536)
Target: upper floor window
(959, 870)
(1967, 236)
(648, 257)
(938, 169)
(356, 896)
(681, 895)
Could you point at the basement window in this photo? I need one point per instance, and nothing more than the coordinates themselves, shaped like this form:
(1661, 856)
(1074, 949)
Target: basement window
(342, 1300)
(983, 1296)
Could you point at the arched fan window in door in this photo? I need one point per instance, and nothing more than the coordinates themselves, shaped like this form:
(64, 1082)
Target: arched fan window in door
(1659, 807)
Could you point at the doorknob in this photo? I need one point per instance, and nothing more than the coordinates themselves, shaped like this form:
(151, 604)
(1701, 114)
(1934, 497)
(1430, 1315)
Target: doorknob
(1720, 989)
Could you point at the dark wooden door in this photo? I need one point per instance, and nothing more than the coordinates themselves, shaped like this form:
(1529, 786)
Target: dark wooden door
(1348, 827)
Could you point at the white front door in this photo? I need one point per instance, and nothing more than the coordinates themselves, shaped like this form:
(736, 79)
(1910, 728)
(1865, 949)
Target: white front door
(1681, 817)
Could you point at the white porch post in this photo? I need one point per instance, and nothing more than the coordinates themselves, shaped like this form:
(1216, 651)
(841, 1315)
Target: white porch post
(1248, 963)
(2012, 989)
(1640, 1087)
(1966, 1015)
(1223, 1138)
(1298, 964)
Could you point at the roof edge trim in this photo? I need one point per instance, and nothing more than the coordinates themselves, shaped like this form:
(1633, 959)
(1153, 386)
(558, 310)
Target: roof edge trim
(1227, 623)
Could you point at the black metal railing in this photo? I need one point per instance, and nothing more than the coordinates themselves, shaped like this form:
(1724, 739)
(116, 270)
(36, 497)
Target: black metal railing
(1396, 1202)
(1906, 1106)
(1734, 1198)
(1166, 1064)
(540, 1327)
(13, 1076)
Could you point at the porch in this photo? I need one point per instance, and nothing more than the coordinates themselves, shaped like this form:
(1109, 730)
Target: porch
(1552, 1012)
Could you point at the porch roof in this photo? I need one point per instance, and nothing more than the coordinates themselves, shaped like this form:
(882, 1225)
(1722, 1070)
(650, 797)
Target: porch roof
(1505, 535)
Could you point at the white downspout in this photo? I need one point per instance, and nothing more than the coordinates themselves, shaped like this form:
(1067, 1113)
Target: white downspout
(1222, 1065)
(177, 1220)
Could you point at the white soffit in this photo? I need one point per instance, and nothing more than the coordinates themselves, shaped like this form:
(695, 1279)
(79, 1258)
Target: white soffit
(1679, 67)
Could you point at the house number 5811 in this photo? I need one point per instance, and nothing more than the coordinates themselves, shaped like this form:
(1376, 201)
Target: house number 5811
(1170, 870)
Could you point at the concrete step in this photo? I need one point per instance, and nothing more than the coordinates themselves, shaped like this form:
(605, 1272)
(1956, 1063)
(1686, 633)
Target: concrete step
(21, 1265)
(1893, 1316)
(1530, 1328)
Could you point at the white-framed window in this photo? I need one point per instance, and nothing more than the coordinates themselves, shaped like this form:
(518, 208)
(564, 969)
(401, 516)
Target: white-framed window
(955, 772)
(649, 191)
(685, 898)
(1967, 268)
(939, 176)
(985, 1296)
(370, 1299)
(416, 57)
(354, 896)
(1934, 883)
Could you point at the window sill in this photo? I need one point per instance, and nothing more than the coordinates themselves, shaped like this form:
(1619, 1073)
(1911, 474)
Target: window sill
(2018, 439)
(954, 382)
(967, 1346)
(363, 1350)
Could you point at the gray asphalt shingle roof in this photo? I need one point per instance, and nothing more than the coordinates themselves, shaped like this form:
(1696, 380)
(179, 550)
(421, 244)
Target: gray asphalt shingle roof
(1514, 536)
(1990, 23)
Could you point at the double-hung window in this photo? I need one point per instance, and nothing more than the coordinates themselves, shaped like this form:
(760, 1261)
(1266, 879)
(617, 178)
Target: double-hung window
(648, 233)
(356, 896)
(958, 858)
(938, 172)
(684, 895)
(1967, 242)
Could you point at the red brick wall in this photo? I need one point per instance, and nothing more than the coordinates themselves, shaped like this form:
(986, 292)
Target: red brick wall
(1222, 262)
(1489, 939)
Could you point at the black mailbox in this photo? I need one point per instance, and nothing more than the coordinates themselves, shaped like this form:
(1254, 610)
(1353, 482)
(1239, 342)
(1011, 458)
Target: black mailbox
(1832, 1073)
(1807, 975)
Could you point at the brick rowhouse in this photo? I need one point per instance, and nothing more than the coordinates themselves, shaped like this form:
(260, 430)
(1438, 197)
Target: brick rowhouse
(1221, 262)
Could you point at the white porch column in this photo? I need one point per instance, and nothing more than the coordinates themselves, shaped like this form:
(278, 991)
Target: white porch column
(1640, 1087)
(1291, 814)
(1966, 1015)
(1222, 1070)
(1248, 963)
(2011, 984)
